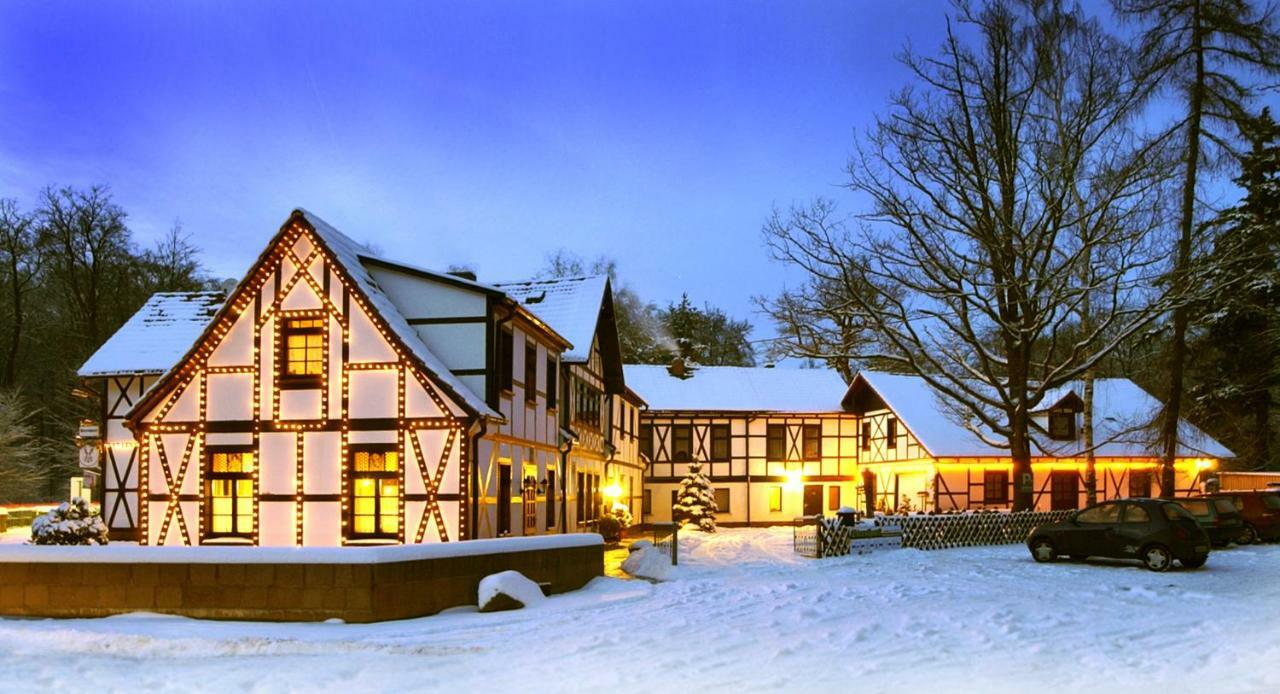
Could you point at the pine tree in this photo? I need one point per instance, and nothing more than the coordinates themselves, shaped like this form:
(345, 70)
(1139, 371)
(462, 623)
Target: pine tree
(696, 501)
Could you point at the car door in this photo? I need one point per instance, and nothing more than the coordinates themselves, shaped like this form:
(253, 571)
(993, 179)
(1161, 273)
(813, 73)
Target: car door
(1136, 525)
(1091, 533)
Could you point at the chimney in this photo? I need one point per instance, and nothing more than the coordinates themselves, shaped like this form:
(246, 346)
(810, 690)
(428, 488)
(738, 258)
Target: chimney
(464, 274)
(679, 368)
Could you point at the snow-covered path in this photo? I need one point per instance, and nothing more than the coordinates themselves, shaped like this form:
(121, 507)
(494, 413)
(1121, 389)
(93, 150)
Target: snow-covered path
(741, 612)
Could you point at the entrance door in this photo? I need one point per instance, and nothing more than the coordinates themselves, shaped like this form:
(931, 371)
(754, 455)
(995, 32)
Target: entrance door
(504, 500)
(813, 500)
(529, 501)
(869, 490)
(1064, 490)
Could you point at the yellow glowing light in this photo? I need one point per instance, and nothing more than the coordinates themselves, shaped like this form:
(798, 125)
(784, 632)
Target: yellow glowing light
(613, 490)
(795, 480)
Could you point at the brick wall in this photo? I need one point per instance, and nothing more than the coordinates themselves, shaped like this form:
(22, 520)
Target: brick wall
(365, 592)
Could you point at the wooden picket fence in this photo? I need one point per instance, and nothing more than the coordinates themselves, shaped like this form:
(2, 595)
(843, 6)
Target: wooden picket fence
(970, 529)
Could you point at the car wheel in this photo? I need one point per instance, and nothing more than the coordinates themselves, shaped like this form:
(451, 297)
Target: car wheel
(1248, 536)
(1042, 550)
(1157, 557)
(1195, 563)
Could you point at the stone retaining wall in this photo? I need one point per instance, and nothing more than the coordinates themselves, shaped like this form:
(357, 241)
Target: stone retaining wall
(354, 592)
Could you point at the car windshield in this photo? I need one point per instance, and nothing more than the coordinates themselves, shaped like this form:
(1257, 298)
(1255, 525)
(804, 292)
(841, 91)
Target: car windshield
(1197, 507)
(1271, 501)
(1174, 512)
(1225, 506)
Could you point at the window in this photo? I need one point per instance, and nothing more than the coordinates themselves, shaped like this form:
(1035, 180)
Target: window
(1062, 425)
(646, 440)
(530, 371)
(833, 498)
(719, 441)
(1174, 512)
(1103, 514)
(506, 360)
(580, 500)
(1197, 507)
(1271, 502)
(375, 492)
(722, 500)
(891, 432)
(1140, 484)
(866, 436)
(995, 487)
(646, 501)
(775, 499)
(586, 403)
(682, 443)
(1064, 490)
(553, 383)
(1134, 513)
(551, 499)
(229, 491)
(302, 352)
(776, 442)
(812, 441)
(1225, 506)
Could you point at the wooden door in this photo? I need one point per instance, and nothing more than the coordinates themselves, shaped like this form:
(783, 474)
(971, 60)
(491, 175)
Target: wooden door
(1064, 490)
(504, 500)
(529, 499)
(869, 490)
(813, 500)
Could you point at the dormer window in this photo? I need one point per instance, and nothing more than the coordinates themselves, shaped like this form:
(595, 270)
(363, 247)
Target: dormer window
(1062, 425)
(302, 351)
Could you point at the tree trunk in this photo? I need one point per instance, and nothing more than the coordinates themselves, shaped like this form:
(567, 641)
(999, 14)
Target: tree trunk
(1090, 460)
(1178, 347)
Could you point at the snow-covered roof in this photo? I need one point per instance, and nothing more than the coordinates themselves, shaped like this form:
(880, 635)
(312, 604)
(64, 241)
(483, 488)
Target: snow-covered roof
(348, 253)
(1122, 416)
(738, 389)
(570, 305)
(155, 337)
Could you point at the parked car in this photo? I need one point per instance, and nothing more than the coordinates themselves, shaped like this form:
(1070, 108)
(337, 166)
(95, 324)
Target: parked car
(1218, 516)
(1260, 510)
(1154, 531)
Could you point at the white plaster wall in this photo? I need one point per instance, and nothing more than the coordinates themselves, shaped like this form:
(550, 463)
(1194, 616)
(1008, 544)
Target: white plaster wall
(230, 396)
(321, 524)
(276, 523)
(277, 474)
(322, 471)
(373, 394)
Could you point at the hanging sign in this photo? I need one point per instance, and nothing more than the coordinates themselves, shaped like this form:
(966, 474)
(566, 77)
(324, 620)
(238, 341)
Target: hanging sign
(89, 457)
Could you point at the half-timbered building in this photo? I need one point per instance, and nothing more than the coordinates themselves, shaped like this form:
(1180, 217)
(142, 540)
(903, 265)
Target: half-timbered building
(774, 442)
(915, 453)
(340, 398)
(599, 415)
(120, 372)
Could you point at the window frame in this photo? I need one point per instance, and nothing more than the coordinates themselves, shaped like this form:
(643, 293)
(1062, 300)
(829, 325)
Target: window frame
(775, 499)
(646, 440)
(811, 435)
(728, 499)
(989, 482)
(1146, 477)
(210, 476)
(681, 431)
(891, 432)
(1067, 416)
(865, 442)
(553, 382)
(352, 535)
(721, 436)
(530, 371)
(286, 330)
(550, 500)
(506, 360)
(775, 443)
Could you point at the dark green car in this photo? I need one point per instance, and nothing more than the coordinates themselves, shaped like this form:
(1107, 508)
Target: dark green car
(1219, 517)
(1153, 531)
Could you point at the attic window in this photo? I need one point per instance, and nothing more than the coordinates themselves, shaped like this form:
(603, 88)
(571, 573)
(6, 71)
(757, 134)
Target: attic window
(536, 298)
(1062, 425)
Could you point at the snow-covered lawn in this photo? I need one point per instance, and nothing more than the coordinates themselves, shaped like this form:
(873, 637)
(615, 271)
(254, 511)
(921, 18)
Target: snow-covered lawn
(741, 613)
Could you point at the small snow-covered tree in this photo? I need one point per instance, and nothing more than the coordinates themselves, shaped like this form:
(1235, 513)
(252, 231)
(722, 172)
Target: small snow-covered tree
(72, 523)
(696, 501)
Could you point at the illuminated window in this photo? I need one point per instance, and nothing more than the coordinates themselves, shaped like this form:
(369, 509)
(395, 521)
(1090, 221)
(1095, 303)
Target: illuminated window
(302, 354)
(775, 499)
(229, 493)
(375, 493)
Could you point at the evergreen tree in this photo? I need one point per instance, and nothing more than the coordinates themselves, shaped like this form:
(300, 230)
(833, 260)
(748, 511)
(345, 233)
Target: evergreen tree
(696, 501)
(707, 335)
(1242, 316)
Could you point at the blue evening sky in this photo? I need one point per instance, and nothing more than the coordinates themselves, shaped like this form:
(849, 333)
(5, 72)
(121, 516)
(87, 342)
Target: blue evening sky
(659, 133)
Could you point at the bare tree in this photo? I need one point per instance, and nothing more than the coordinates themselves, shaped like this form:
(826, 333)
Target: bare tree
(1005, 193)
(23, 456)
(1198, 48)
(19, 268)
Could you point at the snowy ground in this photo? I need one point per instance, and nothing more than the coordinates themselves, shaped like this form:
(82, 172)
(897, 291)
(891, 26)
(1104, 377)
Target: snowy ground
(741, 613)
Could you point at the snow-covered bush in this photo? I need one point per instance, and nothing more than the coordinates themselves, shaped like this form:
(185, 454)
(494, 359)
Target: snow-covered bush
(72, 523)
(696, 501)
(613, 523)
